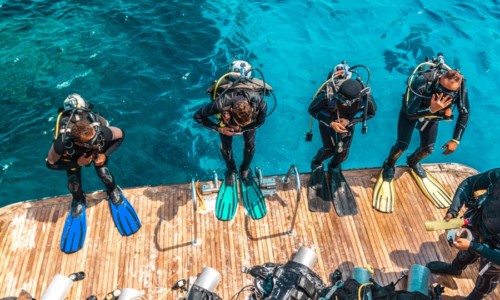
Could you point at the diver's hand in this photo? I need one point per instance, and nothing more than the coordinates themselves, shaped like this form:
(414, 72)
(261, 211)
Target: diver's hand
(228, 131)
(84, 160)
(440, 101)
(448, 217)
(338, 127)
(461, 243)
(100, 159)
(449, 147)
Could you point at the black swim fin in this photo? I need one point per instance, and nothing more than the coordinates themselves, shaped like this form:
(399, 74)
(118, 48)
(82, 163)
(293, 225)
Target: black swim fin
(318, 191)
(342, 196)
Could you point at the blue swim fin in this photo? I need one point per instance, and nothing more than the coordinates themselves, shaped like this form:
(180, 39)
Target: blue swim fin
(124, 215)
(252, 197)
(227, 199)
(75, 228)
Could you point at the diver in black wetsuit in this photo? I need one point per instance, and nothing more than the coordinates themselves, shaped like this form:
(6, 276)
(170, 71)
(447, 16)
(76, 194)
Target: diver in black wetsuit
(337, 117)
(84, 138)
(483, 213)
(238, 108)
(432, 95)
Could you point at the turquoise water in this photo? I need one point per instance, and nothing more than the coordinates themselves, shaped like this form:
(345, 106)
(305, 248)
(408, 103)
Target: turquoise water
(146, 67)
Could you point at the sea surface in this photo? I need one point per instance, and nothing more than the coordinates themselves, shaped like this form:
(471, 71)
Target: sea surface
(145, 65)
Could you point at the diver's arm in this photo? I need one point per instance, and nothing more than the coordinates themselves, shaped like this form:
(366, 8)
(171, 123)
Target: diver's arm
(114, 137)
(467, 188)
(317, 109)
(203, 114)
(413, 108)
(260, 119)
(485, 251)
(54, 161)
(372, 109)
(463, 113)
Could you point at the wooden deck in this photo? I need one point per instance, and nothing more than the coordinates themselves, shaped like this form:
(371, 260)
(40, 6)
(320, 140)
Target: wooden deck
(162, 252)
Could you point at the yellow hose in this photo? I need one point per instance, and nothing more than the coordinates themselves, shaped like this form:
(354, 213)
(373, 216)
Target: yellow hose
(56, 132)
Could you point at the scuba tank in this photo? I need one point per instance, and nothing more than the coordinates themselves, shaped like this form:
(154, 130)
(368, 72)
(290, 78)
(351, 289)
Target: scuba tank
(293, 280)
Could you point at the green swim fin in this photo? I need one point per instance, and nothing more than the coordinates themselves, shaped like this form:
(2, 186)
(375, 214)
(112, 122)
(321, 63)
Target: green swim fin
(318, 191)
(383, 192)
(227, 198)
(342, 196)
(431, 188)
(252, 197)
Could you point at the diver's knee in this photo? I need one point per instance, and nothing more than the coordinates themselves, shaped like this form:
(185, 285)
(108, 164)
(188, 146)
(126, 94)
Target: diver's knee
(105, 175)
(73, 184)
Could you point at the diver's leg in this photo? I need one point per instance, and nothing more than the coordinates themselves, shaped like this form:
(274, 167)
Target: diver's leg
(427, 141)
(75, 184)
(342, 148)
(405, 131)
(227, 152)
(325, 152)
(486, 281)
(248, 151)
(109, 181)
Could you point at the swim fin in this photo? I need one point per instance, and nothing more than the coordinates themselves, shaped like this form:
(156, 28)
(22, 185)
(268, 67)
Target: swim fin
(432, 189)
(383, 192)
(318, 191)
(124, 215)
(342, 196)
(75, 228)
(252, 196)
(227, 198)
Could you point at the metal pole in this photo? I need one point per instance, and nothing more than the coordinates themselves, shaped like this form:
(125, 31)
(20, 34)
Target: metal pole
(286, 180)
(195, 240)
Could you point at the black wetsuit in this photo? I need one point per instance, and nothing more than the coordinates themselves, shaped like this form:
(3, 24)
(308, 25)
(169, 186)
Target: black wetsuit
(222, 104)
(71, 151)
(337, 144)
(484, 215)
(418, 115)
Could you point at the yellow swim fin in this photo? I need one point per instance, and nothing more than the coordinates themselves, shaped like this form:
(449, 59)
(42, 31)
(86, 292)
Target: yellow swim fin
(383, 194)
(432, 189)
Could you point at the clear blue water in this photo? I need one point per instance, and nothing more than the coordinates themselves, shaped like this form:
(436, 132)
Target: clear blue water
(146, 66)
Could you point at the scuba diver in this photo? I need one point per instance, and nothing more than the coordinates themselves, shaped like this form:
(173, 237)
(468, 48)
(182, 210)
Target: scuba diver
(83, 137)
(433, 90)
(484, 224)
(339, 104)
(237, 108)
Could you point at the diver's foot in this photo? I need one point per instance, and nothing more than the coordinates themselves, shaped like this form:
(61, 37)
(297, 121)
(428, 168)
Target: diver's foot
(418, 169)
(440, 267)
(77, 206)
(115, 196)
(230, 176)
(387, 172)
(246, 176)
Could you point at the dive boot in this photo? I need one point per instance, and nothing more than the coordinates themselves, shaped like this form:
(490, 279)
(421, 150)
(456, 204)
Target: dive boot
(440, 267)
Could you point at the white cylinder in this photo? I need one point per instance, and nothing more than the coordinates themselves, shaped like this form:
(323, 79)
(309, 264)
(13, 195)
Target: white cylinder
(208, 279)
(130, 294)
(306, 257)
(419, 279)
(58, 288)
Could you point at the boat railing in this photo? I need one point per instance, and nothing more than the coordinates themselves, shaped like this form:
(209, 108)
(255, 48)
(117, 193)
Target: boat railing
(286, 180)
